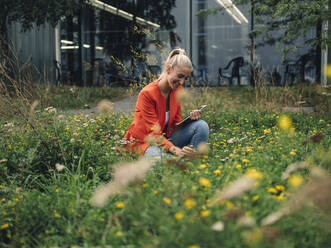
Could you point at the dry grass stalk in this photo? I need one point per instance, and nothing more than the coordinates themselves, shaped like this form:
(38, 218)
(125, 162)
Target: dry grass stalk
(105, 106)
(293, 167)
(236, 188)
(123, 175)
(16, 85)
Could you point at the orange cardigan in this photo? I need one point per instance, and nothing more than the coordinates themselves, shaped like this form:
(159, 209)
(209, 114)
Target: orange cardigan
(149, 119)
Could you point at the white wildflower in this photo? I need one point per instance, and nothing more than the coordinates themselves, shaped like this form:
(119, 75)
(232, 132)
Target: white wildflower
(218, 226)
(9, 124)
(232, 140)
(50, 110)
(59, 167)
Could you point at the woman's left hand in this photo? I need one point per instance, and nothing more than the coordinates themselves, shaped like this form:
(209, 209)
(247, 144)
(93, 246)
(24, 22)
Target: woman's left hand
(195, 114)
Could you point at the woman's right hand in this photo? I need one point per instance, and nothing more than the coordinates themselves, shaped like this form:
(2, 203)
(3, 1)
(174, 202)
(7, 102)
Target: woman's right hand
(184, 152)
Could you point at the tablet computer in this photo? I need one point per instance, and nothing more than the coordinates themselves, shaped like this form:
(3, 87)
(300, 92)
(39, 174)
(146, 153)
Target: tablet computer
(187, 119)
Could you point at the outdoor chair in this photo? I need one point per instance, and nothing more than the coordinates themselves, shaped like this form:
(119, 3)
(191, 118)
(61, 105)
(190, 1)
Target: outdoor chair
(291, 71)
(297, 70)
(231, 71)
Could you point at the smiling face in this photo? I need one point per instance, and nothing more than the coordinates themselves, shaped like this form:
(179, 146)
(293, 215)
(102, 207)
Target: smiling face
(177, 76)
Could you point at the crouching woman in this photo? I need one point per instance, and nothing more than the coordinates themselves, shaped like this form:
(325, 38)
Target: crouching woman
(153, 132)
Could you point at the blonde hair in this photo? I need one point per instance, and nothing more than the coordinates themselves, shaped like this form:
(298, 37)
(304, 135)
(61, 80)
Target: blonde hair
(178, 57)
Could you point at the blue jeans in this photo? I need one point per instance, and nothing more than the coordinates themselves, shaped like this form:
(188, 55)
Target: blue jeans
(192, 134)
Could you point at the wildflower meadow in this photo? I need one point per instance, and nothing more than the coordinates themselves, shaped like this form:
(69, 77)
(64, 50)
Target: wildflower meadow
(263, 180)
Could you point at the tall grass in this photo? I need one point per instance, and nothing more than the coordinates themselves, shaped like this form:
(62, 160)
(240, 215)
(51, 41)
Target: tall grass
(20, 89)
(262, 98)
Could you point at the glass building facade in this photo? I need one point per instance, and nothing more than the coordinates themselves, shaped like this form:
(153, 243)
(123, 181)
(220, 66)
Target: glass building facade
(112, 45)
(117, 42)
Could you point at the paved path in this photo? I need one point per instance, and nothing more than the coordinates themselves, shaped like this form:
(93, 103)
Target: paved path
(124, 106)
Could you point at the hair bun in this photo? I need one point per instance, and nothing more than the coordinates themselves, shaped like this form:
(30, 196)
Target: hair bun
(177, 51)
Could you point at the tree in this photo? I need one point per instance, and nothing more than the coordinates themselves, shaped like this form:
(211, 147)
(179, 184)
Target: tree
(124, 37)
(125, 40)
(283, 22)
(29, 12)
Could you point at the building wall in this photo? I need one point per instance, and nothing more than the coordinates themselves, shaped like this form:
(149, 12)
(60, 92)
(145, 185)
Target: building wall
(37, 46)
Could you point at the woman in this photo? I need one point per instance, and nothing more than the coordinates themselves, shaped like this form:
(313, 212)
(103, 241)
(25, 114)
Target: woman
(153, 131)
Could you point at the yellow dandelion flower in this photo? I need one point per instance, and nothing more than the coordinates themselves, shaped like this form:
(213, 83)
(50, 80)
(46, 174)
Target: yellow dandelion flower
(119, 234)
(193, 246)
(292, 132)
(255, 198)
(120, 205)
(166, 200)
(57, 190)
(4, 226)
(266, 131)
(272, 190)
(280, 187)
(57, 215)
(217, 172)
(202, 166)
(190, 204)
(295, 180)
(280, 197)
(249, 149)
(229, 205)
(179, 215)
(156, 192)
(284, 122)
(204, 182)
(253, 173)
(293, 153)
(205, 213)
(245, 160)
(145, 185)
(238, 166)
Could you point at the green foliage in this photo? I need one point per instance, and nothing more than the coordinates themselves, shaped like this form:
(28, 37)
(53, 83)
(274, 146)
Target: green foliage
(43, 206)
(39, 11)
